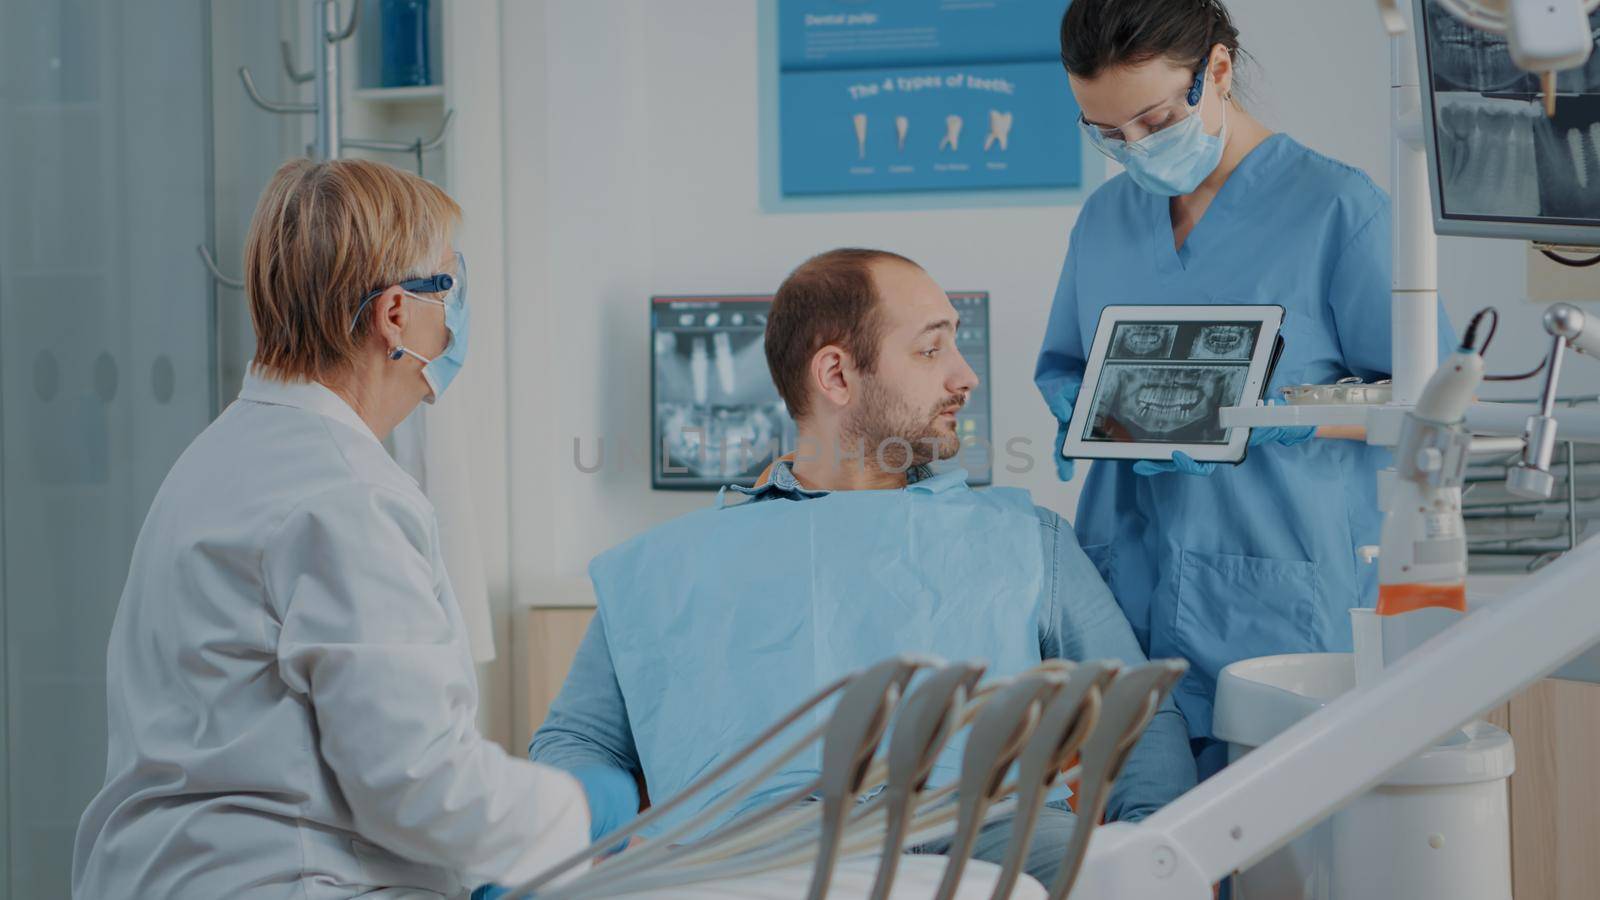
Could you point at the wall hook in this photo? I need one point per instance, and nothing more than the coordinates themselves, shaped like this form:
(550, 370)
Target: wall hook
(344, 33)
(288, 65)
(211, 266)
(269, 105)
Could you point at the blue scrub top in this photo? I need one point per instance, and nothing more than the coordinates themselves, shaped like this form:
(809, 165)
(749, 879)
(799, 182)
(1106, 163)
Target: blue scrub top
(1257, 559)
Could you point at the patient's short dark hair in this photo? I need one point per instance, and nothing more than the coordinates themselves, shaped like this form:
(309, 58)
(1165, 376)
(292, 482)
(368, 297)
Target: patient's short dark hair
(829, 299)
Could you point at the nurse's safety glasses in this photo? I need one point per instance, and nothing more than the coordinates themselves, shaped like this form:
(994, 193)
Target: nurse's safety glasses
(454, 286)
(1128, 138)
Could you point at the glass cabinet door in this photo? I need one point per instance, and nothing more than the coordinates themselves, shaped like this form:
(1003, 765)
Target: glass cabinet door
(107, 364)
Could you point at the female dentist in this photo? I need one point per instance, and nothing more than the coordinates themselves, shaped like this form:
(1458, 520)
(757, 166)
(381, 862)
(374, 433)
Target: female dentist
(1220, 564)
(291, 697)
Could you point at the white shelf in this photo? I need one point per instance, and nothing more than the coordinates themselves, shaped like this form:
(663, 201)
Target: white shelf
(401, 94)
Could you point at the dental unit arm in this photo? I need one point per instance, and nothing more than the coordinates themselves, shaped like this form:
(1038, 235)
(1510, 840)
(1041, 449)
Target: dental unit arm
(1568, 327)
(1472, 663)
(1423, 556)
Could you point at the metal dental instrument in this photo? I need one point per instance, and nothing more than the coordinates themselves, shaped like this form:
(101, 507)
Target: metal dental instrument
(850, 735)
(1068, 719)
(655, 813)
(996, 738)
(927, 720)
(1128, 706)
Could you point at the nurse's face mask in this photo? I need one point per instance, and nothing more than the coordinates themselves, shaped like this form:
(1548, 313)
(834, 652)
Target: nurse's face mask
(449, 291)
(1165, 149)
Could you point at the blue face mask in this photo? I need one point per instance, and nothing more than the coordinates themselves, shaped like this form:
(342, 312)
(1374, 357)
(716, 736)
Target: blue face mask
(442, 369)
(1174, 161)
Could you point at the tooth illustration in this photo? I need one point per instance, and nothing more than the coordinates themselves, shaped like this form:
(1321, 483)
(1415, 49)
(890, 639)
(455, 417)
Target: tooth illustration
(901, 126)
(952, 133)
(861, 134)
(999, 130)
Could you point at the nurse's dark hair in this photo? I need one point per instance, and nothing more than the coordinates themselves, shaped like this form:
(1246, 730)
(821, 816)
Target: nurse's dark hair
(1100, 34)
(830, 299)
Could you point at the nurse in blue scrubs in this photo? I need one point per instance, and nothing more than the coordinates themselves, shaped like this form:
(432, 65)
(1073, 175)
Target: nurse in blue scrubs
(1220, 563)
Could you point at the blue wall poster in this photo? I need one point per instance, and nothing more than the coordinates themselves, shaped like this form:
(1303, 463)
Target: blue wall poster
(879, 96)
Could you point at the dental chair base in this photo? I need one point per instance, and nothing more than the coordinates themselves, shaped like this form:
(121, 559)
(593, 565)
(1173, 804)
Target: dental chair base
(1438, 826)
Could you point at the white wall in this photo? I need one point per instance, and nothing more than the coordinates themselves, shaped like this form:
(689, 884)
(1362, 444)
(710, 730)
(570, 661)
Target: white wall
(642, 117)
(632, 168)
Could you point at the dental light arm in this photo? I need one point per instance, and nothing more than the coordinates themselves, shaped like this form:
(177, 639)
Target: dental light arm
(1544, 36)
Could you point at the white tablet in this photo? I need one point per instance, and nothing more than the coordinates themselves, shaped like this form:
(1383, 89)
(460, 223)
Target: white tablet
(1157, 375)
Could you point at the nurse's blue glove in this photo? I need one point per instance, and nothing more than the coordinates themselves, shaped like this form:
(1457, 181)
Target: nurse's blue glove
(1060, 402)
(1181, 462)
(1287, 436)
(1064, 466)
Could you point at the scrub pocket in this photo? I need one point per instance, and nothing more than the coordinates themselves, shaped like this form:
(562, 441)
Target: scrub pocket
(1104, 557)
(1234, 607)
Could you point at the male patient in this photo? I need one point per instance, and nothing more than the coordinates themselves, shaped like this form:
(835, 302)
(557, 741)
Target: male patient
(713, 626)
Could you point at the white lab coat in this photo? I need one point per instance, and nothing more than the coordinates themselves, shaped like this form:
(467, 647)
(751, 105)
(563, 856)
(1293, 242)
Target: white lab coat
(290, 694)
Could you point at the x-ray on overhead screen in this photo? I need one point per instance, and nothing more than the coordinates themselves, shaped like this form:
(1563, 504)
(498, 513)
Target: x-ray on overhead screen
(1501, 167)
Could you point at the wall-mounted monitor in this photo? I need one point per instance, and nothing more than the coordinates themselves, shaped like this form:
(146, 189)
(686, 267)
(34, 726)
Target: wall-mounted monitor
(1498, 166)
(717, 419)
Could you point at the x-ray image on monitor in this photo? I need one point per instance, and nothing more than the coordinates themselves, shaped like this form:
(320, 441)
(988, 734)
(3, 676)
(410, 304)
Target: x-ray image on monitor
(1500, 158)
(717, 418)
(1144, 340)
(1174, 403)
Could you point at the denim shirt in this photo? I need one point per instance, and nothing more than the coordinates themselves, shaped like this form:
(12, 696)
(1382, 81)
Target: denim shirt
(782, 485)
(587, 731)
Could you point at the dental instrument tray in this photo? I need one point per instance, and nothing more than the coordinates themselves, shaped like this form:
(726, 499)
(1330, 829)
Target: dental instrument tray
(1157, 377)
(1350, 390)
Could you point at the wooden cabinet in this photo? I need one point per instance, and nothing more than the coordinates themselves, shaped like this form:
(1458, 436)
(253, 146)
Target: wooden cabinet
(1555, 792)
(546, 640)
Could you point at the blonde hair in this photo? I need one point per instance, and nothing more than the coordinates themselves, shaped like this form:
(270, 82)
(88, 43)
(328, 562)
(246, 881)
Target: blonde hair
(324, 235)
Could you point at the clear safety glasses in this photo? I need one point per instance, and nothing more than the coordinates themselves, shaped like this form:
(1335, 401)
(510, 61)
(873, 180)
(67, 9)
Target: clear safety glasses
(453, 286)
(1131, 137)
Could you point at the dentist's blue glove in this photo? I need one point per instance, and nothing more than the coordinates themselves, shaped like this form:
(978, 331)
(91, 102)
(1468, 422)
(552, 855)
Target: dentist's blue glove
(613, 798)
(1181, 462)
(1287, 436)
(1064, 466)
(1060, 402)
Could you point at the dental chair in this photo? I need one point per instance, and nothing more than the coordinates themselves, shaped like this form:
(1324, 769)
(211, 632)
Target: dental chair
(845, 833)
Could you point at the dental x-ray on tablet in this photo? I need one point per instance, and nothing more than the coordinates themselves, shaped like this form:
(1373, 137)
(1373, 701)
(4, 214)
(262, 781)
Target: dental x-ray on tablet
(1158, 375)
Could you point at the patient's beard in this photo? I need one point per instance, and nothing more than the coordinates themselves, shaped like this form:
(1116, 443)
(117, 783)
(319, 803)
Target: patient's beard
(890, 434)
